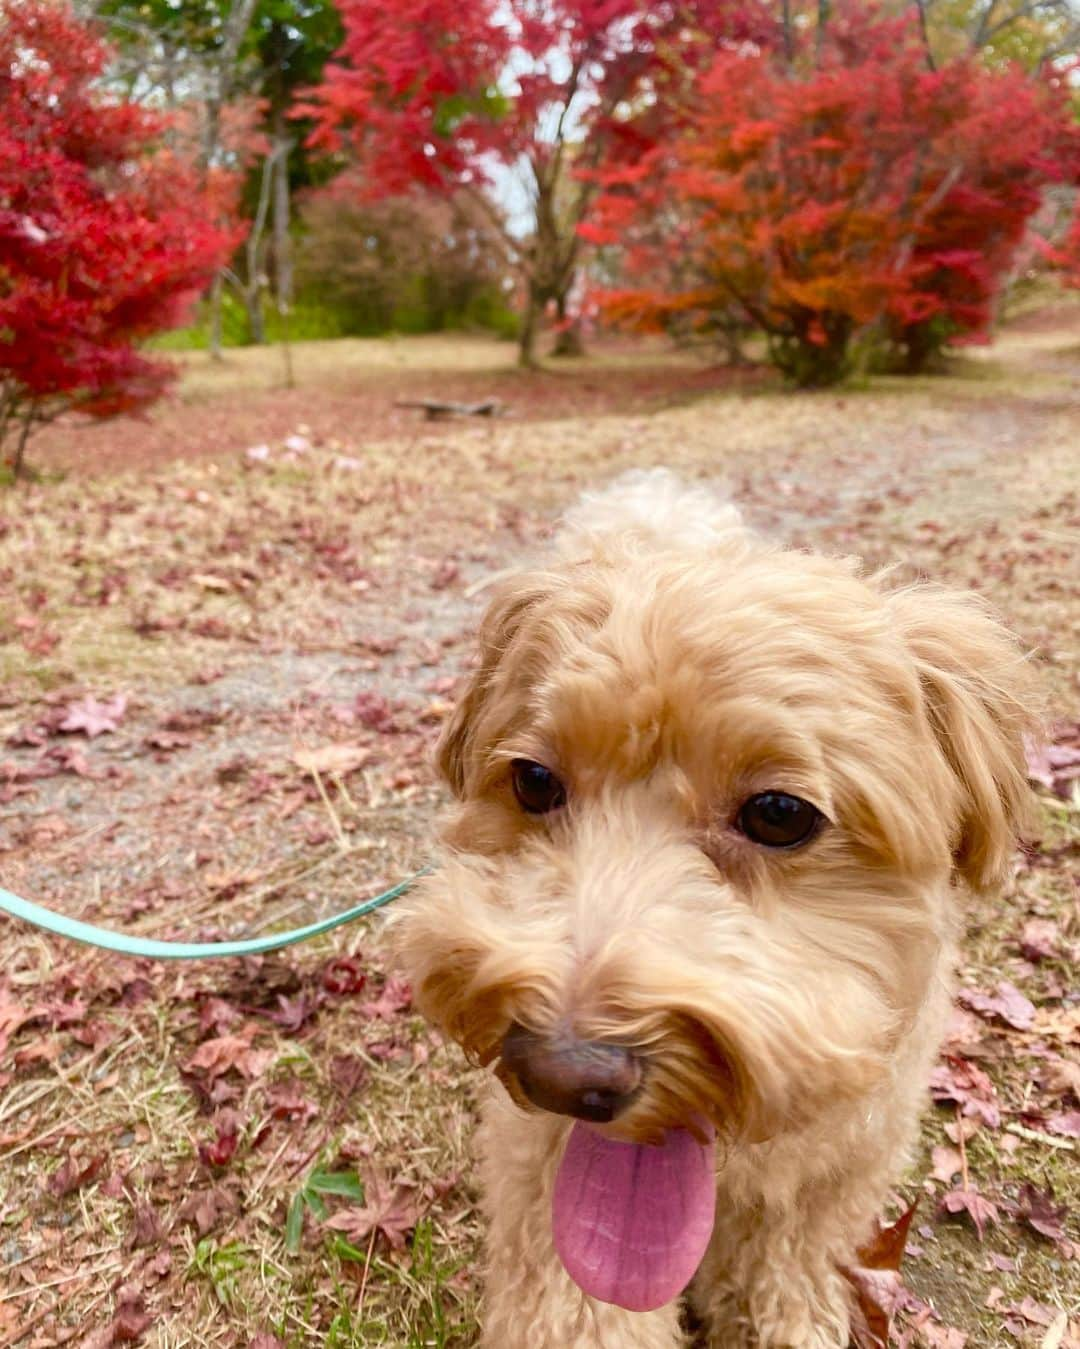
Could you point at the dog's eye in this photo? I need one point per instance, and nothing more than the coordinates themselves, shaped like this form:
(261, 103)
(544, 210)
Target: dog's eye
(777, 820)
(537, 788)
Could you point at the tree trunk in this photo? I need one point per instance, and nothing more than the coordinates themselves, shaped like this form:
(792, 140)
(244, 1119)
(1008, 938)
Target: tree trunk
(253, 304)
(217, 288)
(527, 336)
(568, 339)
(18, 464)
(282, 244)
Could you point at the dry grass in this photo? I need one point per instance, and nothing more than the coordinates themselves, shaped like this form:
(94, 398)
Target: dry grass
(259, 601)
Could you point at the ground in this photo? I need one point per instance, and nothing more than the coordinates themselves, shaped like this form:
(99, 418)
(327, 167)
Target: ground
(228, 638)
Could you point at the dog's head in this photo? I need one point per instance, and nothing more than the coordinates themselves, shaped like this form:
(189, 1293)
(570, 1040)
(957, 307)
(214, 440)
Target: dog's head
(712, 799)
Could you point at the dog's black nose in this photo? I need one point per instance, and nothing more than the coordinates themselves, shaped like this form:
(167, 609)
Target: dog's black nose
(568, 1076)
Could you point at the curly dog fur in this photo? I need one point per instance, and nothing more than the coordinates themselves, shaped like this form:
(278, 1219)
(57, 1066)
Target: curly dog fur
(665, 666)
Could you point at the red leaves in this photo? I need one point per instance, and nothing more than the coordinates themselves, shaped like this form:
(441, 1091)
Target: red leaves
(958, 1080)
(343, 976)
(1006, 1003)
(819, 192)
(104, 237)
(1037, 1209)
(230, 1053)
(221, 1151)
(73, 1175)
(876, 1280)
(1039, 939)
(390, 1210)
(978, 1208)
(396, 997)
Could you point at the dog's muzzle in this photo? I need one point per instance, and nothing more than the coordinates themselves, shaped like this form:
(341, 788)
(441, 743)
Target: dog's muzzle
(587, 1080)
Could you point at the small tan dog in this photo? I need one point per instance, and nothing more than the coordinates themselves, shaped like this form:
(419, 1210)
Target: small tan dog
(698, 905)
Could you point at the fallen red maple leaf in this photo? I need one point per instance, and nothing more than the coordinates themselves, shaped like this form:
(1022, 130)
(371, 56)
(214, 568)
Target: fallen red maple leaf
(980, 1209)
(390, 1210)
(217, 1056)
(879, 1290)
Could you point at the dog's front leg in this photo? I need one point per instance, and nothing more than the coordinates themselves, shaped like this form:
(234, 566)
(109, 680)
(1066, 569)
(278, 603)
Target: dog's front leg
(530, 1300)
(772, 1278)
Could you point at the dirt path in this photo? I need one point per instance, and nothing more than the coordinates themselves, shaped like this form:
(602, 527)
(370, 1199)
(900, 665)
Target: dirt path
(164, 1132)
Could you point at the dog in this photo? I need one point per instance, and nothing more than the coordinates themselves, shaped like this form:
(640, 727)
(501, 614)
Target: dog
(717, 804)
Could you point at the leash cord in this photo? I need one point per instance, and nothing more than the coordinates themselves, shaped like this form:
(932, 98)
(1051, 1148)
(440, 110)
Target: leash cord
(126, 944)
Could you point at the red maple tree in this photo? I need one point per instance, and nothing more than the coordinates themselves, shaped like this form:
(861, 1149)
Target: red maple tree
(105, 234)
(452, 96)
(836, 188)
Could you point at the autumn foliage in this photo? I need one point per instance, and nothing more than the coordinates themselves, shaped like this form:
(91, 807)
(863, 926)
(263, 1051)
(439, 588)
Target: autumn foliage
(453, 97)
(105, 233)
(836, 192)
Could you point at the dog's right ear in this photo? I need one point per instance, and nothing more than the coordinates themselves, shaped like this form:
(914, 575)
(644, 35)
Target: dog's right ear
(514, 597)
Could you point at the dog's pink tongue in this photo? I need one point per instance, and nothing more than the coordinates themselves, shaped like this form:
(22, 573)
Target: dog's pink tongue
(631, 1222)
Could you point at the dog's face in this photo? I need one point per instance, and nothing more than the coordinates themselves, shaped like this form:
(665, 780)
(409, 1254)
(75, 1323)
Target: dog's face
(711, 804)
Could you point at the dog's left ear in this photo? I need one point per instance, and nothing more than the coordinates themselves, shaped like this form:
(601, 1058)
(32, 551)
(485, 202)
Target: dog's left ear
(512, 599)
(979, 694)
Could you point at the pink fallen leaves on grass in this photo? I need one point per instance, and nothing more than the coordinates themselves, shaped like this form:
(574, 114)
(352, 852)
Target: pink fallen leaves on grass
(1039, 1211)
(978, 1208)
(1039, 939)
(960, 1081)
(93, 717)
(395, 997)
(1006, 1003)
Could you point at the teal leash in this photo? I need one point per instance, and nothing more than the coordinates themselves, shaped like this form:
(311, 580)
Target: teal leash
(51, 921)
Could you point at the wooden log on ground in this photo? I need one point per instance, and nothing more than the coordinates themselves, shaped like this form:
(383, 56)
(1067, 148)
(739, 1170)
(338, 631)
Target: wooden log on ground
(436, 408)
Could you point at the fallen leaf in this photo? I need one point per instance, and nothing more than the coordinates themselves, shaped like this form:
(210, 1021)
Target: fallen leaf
(961, 1081)
(146, 1229)
(879, 1290)
(373, 711)
(343, 975)
(1037, 1208)
(390, 1210)
(348, 1073)
(131, 1320)
(1059, 1077)
(340, 759)
(979, 1209)
(225, 1052)
(1006, 1003)
(73, 1175)
(13, 1014)
(94, 717)
(286, 1100)
(1039, 939)
(396, 997)
(222, 1149)
(942, 1337)
(947, 1162)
